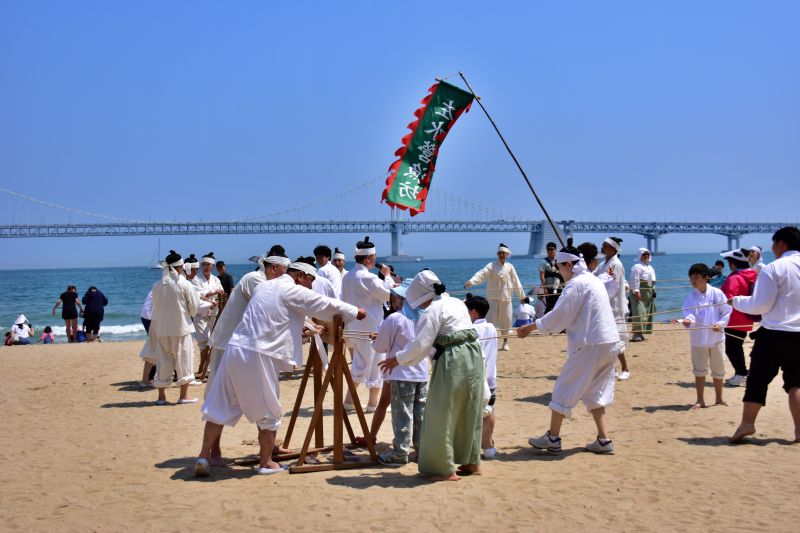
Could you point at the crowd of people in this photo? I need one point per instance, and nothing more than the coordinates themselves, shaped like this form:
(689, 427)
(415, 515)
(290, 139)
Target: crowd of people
(432, 357)
(91, 308)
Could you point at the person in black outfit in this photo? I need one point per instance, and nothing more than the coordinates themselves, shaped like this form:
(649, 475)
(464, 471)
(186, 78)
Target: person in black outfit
(95, 301)
(69, 311)
(550, 278)
(224, 278)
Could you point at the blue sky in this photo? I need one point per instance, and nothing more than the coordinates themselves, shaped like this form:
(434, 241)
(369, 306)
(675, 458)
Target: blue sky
(207, 110)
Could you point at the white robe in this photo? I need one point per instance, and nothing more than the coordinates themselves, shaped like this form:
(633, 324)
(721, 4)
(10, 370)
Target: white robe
(230, 318)
(263, 344)
(332, 274)
(444, 315)
(363, 289)
(615, 286)
(169, 341)
(641, 272)
(593, 343)
(502, 281)
(205, 317)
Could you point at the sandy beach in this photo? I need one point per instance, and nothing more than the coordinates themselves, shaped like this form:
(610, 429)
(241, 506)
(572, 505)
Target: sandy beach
(85, 450)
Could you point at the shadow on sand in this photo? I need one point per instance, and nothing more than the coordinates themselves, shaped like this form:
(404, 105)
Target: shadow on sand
(724, 441)
(656, 408)
(542, 399)
(184, 471)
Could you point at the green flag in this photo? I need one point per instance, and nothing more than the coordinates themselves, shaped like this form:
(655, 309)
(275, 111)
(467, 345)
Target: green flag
(410, 176)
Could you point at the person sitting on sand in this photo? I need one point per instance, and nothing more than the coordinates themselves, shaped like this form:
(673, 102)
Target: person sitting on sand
(48, 337)
(584, 310)
(21, 331)
(776, 297)
(705, 313)
(451, 430)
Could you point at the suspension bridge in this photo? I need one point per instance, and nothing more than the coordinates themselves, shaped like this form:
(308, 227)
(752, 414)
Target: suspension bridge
(462, 216)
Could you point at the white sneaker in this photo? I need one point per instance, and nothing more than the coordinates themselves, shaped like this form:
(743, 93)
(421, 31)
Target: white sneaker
(195, 382)
(349, 407)
(489, 453)
(546, 442)
(622, 376)
(505, 348)
(737, 380)
(601, 447)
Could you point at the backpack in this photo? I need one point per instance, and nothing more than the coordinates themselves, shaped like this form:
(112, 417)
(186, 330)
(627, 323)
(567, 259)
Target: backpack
(80, 336)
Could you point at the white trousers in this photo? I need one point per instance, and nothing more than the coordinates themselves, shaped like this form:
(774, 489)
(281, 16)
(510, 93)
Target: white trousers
(365, 363)
(173, 354)
(213, 365)
(622, 327)
(246, 383)
(703, 355)
(500, 314)
(587, 375)
(202, 327)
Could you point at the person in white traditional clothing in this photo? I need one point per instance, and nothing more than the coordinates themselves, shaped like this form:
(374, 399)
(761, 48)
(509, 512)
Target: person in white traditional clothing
(584, 310)
(643, 296)
(453, 422)
(363, 289)
(754, 258)
(776, 297)
(271, 266)
(705, 314)
(209, 289)
(478, 307)
(613, 268)
(169, 342)
(339, 261)
(502, 282)
(263, 344)
(190, 267)
(327, 269)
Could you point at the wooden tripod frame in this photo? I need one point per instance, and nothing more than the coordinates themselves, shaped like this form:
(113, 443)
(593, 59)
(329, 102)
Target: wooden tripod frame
(337, 374)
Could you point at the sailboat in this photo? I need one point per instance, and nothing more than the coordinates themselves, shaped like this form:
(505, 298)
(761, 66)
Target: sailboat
(155, 261)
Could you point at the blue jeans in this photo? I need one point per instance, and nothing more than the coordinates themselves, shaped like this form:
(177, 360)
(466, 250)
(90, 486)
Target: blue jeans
(408, 409)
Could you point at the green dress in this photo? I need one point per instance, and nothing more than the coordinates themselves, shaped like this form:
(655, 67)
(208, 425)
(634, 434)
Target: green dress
(453, 423)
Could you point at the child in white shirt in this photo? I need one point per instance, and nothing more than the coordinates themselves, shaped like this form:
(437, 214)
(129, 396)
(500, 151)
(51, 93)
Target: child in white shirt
(409, 384)
(706, 313)
(478, 307)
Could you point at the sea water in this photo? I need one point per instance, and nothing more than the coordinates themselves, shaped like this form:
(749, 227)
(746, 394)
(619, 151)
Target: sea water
(34, 292)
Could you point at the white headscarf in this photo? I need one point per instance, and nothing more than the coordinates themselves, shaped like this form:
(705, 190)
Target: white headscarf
(20, 320)
(170, 269)
(643, 251)
(421, 290)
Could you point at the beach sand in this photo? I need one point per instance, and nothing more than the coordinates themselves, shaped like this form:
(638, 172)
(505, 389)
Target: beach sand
(84, 450)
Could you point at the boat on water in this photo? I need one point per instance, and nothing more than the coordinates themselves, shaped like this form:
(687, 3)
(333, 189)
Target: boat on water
(155, 261)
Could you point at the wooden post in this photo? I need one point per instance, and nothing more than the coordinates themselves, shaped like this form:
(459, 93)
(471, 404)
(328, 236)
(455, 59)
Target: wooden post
(337, 375)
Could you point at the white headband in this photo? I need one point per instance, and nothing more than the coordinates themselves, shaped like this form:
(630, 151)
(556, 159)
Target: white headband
(504, 249)
(365, 251)
(208, 260)
(338, 255)
(277, 260)
(756, 249)
(177, 263)
(612, 243)
(305, 268)
(566, 257)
